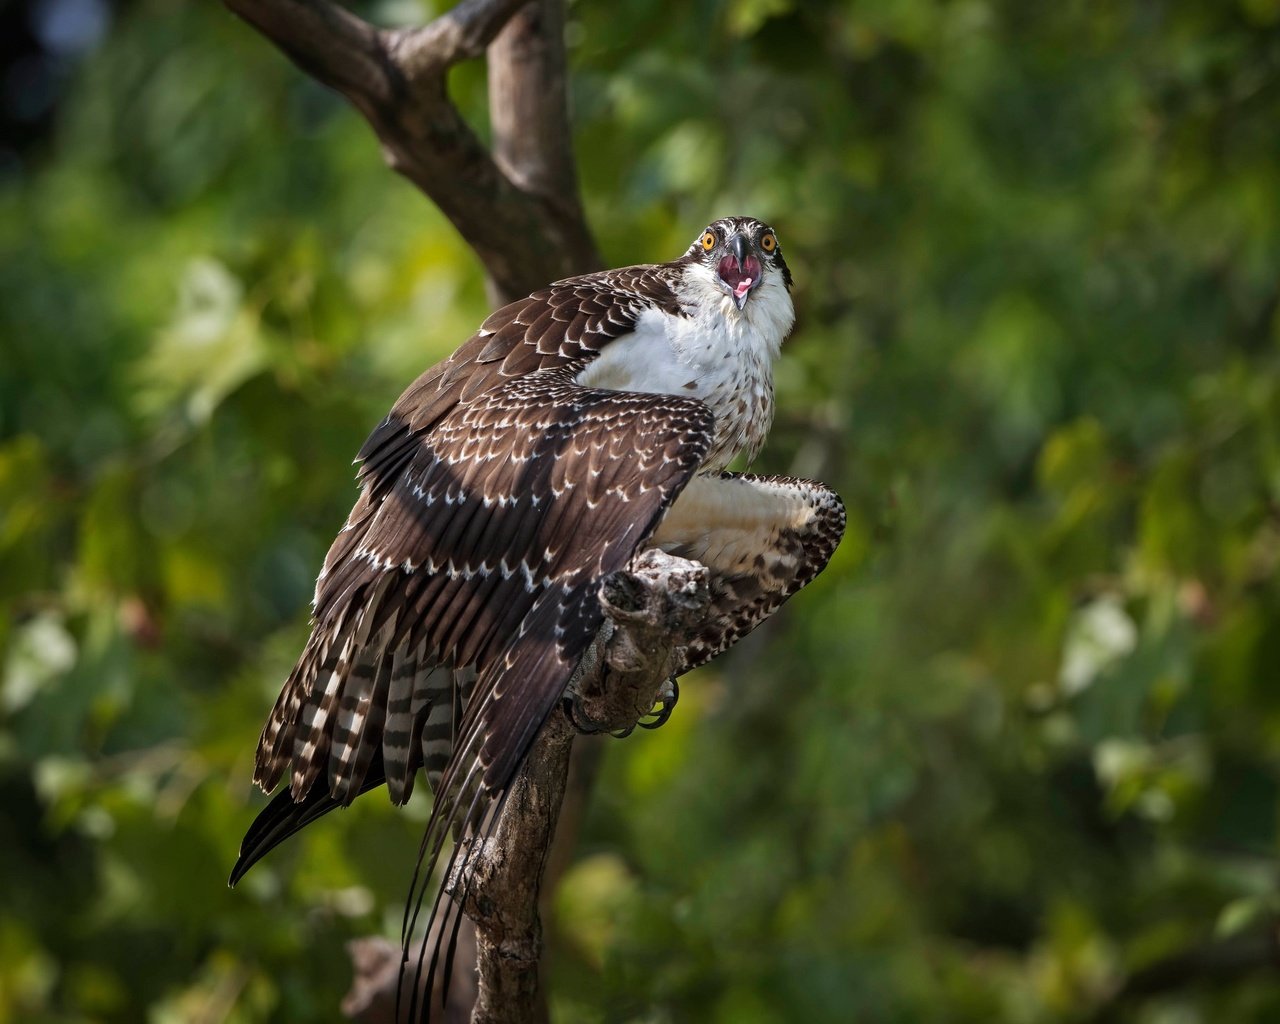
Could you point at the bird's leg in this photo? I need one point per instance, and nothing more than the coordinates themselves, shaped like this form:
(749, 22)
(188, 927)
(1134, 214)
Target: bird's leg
(668, 697)
(575, 707)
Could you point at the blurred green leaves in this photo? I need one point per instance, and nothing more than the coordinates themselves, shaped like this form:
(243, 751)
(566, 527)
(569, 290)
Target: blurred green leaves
(1017, 748)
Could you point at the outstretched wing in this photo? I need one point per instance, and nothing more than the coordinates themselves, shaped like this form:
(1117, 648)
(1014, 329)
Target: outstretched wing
(763, 538)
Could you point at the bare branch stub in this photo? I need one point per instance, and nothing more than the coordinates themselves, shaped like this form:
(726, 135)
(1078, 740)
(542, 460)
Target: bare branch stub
(376, 961)
(649, 608)
(526, 226)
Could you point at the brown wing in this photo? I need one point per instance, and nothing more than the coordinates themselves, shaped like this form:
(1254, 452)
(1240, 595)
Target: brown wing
(564, 324)
(498, 532)
(570, 503)
(399, 606)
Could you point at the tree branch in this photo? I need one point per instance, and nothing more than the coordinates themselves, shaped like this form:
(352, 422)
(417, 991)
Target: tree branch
(529, 114)
(651, 610)
(330, 44)
(505, 877)
(526, 227)
(464, 33)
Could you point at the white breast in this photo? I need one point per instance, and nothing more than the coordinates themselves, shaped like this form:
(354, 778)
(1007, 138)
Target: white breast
(715, 353)
(644, 360)
(722, 366)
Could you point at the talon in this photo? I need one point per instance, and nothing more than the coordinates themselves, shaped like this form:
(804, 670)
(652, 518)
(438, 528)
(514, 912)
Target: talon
(572, 705)
(667, 700)
(583, 722)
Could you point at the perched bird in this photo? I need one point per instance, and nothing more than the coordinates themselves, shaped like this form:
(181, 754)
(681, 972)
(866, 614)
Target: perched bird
(574, 429)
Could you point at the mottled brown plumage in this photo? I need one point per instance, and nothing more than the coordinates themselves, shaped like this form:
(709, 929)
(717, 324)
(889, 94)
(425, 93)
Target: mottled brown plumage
(506, 483)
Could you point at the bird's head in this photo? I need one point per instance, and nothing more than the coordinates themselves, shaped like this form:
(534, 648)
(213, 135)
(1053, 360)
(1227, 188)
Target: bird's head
(741, 253)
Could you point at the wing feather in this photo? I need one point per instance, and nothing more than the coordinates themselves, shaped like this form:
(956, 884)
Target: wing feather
(455, 488)
(464, 587)
(550, 617)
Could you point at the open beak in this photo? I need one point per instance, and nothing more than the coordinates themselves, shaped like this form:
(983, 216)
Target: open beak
(739, 272)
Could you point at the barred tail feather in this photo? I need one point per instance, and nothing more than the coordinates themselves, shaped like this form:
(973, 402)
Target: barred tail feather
(378, 721)
(416, 681)
(441, 726)
(357, 729)
(311, 733)
(350, 651)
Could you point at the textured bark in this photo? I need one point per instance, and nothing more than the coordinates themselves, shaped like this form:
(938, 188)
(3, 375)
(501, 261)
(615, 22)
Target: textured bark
(505, 878)
(520, 211)
(529, 117)
(649, 609)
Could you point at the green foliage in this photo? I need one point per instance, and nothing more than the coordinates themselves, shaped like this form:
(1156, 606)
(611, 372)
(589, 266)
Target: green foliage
(1020, 742)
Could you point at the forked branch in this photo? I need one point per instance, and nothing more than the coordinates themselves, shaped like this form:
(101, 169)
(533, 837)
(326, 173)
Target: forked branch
(520, 212)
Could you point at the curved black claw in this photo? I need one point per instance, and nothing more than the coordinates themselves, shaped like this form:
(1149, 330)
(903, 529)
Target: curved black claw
(582, 721)
(667, 700)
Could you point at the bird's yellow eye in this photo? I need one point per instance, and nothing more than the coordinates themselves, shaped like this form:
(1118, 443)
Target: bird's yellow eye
(709, 241)
(767, 242)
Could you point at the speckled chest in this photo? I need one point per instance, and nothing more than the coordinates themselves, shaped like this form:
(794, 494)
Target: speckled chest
(724, 360)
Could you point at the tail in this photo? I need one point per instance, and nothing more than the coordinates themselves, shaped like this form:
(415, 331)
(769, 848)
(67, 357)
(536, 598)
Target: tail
(410, 706)
(283, 817)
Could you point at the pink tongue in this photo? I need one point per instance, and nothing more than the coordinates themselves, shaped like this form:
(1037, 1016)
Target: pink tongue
(743, 287)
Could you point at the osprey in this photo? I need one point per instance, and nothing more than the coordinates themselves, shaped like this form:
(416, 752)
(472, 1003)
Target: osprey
(577, 427)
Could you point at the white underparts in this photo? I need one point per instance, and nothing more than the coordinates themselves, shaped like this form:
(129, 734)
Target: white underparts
(713, 353)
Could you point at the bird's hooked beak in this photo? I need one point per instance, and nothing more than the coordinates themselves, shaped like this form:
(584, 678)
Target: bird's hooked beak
(739, 272)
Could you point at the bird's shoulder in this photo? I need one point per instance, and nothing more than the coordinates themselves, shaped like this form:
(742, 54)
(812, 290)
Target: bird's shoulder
(563, 326)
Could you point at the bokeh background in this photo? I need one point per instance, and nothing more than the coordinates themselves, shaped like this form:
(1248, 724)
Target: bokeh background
(1014, 757)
